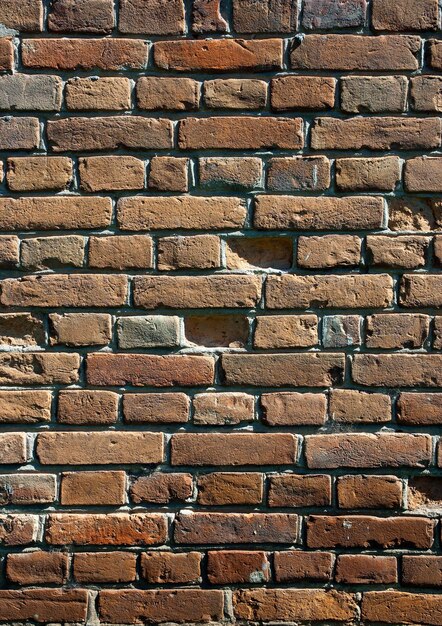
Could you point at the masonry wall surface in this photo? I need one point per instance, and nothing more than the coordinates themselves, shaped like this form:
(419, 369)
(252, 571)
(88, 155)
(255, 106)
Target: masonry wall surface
(220, 327)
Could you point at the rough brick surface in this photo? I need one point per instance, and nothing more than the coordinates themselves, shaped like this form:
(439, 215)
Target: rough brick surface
(220, 327)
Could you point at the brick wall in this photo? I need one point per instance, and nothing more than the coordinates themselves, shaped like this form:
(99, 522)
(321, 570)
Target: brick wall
(220, 365)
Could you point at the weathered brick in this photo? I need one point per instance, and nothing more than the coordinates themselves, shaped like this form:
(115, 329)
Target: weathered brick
(290, 409)
(6, 53)
(308, 93)
(219, 55)
(435, 54)
(328, 14)
(401, 251)
(99, 448)
(182, 212)
(285, 331)
(38, 368)
(161, 408)
(207, 17)
(328, 291)
(360, 531)
(298, 173)
(25, 406)
(160, 488)
(230, 331)
(366, 569)
(424, 493)
(148, 331)
(80, 329)
(341, 331)
(323, 213)
(259, 252)
(426, 93)
(109, 133)
(238, 449)
(81, 16)
(421, 571)
(420, 408)
(21, 329)
(421, 290)
(18, 530)
(9, 251)
(111, 173)
(394, 606)
(350, 406)
(169, 568)
(373, 94)
(114, 529)
(147, 369)
(423, 174)
(413, 213)
(104, 567)
(410, 15)
(19, 133)
(84, 54)
(356, 53)
(38, 173)
(294, 566)
(235, 566)
(397, 331)
(250, 16)
(53, 252)
(329, 251)
(372, 174)
(397, 370)
(236, 528)
(87, 407)
(167, 94)
(25, 15)
(235, 93)
(296, 491)
(240, 133)
(44, 605)
(120, 252)
(197, 252)
(152, 18)
(230, 172)
(23, 92)
(93, 488)
(368, 450)
(223, 408)
(37, 567)
(169, 174)
(227, 488)
(24, 489)
(281, 370)
(369, 492)
(104, 94)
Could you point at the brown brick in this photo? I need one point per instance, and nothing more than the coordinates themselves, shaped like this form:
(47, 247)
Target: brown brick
(6, 53)
(21, 329)
(329, 14)
(147, 369)
(219, 55)
(360, 531)
(25, 406)
(397, 370)
(44, 605)
(18, 530)
(80, 329)
(323, 213)
(424, 493)
(225, 488)
(410, 15)
(152, 18)
(421, 571)
(53, 252)
(197, 252)
(259, 252)
(230, 173)
(352, 407)
(160, 488)
(296, 491)
(438, 250)
(397, 330)
(223, 408)
(161, 408)
(114, 529)
(366, 569)
(19, 133)
(395, 606)
(87, 407)
(294, 604)
(38, 173)
(37, 567)
(207, 17)
(167, 94)
(158, 606)
(328, 291)
(401, 251)
(121, 252)
(230, 331)
(286, 331)
(423, 174)
(23, 489)
(435, 54)
(238, 449)
(305, 93)
(356, 53)
(84, 54)
(82, 16)
(369, 492)
(110, 173)
(236, 528)
(183, 212)
(25, 15)
(59, 290)
(169, 174)
(329, 251)
(426, 93)
(421, 291)
(105, 567)
(240, 133)
(109, 133)
(234, 566)
(99, 448)
(298, 173)
(420, 408)
(235, 93)
(250, 16)
(281, 370)
(289, 409)
(18, 368)
(93, 488)
(374, 94)
(54, 213)
(159, 568)
(372, 174)
(294, 566)
(375, 133)
(9, 251)
(421, 214)
(104, 94)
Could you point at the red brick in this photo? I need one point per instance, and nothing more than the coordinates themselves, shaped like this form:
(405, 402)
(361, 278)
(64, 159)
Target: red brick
(162, 488)
(422, 571)
(294, 566)
(6, 53)
(87, 407)
(291, 490)
(315, 93)
(38, 368)
(207, 17)
(420, 408)
(93, 488)
(37, 567)
(369, 492)
(81, 16)
(18, 530)
(290, 409)
(152, 18)
(234, 566)
(227, 488)
(159, 568)
(392, 607)
(366, 569)
(104, 567)
(223, 408)
(44, 605)
(25, 15)
(23, 489)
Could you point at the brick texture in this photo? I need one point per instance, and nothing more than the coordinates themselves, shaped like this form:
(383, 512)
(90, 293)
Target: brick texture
(220, 325)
